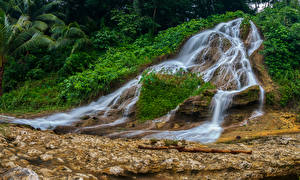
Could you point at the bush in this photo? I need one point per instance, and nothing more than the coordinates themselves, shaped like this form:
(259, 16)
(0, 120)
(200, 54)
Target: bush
(76, 62)
(34, 66)
(34, 96)
(161, 93)
(281, 26)
(107, 38)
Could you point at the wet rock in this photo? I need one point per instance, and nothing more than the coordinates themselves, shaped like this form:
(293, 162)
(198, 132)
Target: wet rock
(129, 93)
(246, 97)
(64, 129)
(85, 117)
(20, 173)
(195, 108)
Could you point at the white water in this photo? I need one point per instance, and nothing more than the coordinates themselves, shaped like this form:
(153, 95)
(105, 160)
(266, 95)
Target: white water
(234, 64)
(232, 69)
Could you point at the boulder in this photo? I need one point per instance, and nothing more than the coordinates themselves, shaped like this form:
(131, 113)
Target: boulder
(64, 129)
(246, 97)
(19, 173)
(127, 94)
(85, 117)
(196, 108)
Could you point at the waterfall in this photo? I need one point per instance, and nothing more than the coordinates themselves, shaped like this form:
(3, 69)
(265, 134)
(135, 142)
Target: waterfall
(218, 54)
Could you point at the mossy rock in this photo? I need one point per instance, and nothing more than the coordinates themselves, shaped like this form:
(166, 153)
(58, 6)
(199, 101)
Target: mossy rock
(246, 97)
(245, 29)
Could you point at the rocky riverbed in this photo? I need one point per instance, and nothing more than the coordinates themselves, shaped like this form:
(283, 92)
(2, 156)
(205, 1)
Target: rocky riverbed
(47, 155)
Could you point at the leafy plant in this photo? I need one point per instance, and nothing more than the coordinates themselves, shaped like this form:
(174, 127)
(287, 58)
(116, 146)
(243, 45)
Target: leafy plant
(16, 38)
(161, 93)
(280, 26)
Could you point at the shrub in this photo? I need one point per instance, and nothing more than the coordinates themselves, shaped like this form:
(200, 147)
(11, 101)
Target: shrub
(280, 26)
(76, 62)
(107, 38)
(34, 96)
(161, 93)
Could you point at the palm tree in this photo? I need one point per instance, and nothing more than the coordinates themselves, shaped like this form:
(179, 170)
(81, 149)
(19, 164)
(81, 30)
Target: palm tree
(36, 10)
(69, 36)
(17, 38)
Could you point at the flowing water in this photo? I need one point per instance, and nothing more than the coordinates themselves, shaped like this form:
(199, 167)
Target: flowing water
(218, 54)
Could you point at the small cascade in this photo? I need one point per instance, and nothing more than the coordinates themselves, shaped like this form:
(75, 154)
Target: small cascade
(230, 70)
(218, 54)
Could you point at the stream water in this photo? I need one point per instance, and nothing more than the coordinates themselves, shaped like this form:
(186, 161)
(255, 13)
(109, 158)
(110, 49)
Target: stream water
(229, 68)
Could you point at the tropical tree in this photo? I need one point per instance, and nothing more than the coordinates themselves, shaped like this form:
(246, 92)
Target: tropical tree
(40, 12)
(17, 38)
(69, 36)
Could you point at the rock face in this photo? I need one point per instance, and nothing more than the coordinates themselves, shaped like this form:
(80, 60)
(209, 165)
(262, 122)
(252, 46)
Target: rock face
(19, 173)
(196, 108)
(246, 97)
(76, 156)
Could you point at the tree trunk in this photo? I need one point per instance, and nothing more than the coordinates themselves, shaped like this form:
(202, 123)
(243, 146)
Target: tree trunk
(153, 19)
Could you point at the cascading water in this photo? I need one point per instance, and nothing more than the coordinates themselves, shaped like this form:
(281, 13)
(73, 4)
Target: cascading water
(218, 54)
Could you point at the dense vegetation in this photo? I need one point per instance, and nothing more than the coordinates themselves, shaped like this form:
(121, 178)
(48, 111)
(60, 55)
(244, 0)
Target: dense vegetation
(56, 54)
(281, 29)
(162, 92)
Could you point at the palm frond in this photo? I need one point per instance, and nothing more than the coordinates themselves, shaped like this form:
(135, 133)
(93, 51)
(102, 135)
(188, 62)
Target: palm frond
(74, 32)
(50, 18)
(48, 6)
(57, 30)
(81, 43)
(33, 42)
(40, 25)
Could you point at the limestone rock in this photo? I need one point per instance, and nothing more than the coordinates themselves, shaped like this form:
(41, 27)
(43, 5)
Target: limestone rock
(246, 97)
(196, 108)
(85, 117)
(46, 157)
(20, 173)
(63, 129)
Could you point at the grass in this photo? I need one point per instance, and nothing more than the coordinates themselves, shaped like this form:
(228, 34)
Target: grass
(34, 97)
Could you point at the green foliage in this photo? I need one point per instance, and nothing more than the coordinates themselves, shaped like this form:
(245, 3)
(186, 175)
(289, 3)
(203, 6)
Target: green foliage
(70, 35)
(107, 38)
(34, 96)
(76, 62)
(281, 26)
(117, 64)
(132, 24)
(161, 93)
(34, 66)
